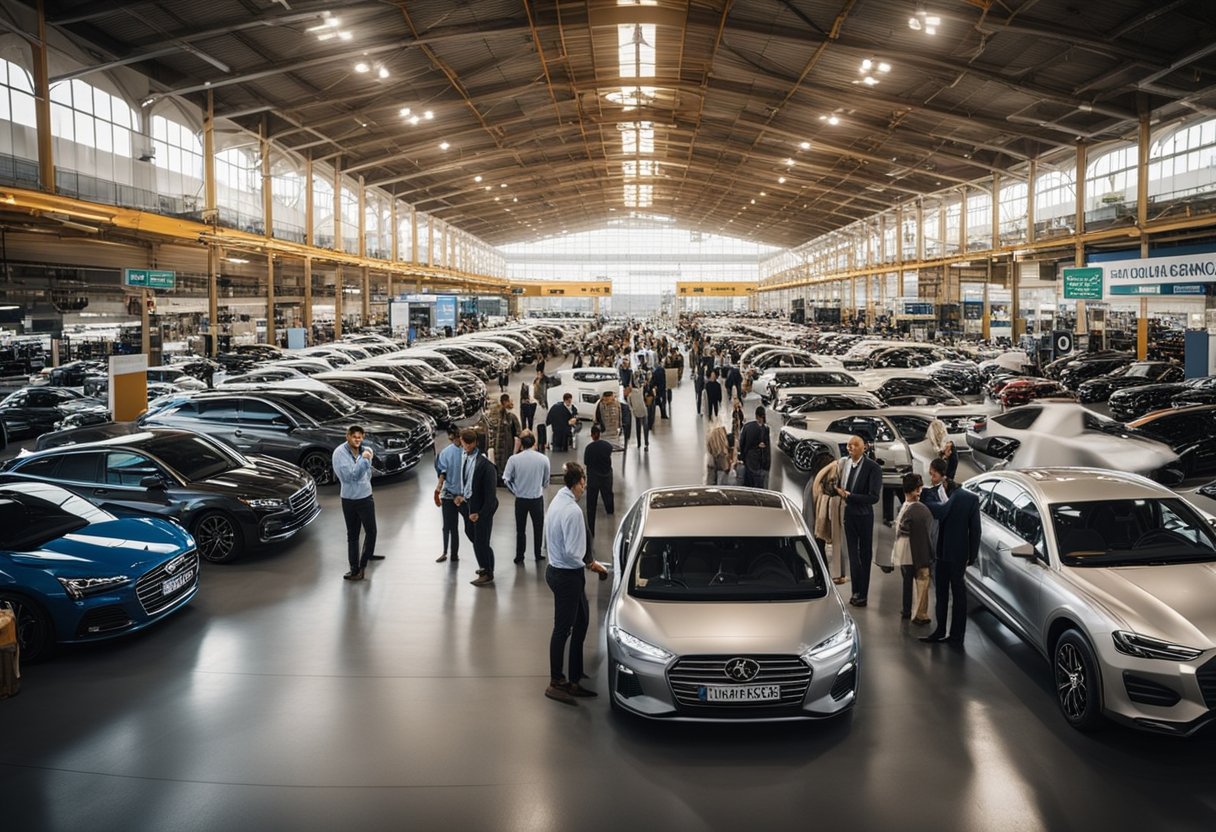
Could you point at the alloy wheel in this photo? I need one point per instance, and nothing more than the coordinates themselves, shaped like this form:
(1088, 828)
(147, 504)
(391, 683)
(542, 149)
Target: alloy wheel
(216, 538)
(1071, 682)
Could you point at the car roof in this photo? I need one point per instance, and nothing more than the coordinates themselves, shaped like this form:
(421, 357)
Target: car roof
(134, 439)
(1069, 485)
(698, 511)
(1170, 411)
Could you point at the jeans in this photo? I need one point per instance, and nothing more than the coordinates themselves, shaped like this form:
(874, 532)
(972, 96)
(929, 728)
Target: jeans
(525, 507)
(451, 527)
(642, 427)
(917, 577)
(859, 535)
(951, 589)
(527, 415)
(479, 534)
(359, 513)
(599, 487)
(570, 619)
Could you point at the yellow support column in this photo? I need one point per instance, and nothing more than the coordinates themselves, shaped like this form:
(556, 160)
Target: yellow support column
(42, 107)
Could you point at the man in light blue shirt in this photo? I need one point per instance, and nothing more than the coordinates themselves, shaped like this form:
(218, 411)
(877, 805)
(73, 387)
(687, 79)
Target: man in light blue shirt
(526, 475)
(352, 465)
(566, 531)
(447, 466)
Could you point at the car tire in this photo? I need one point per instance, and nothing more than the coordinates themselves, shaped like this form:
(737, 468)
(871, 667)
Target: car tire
(1078, 682)
(806, 454)
(35, 630)
(319, 465)
(218, 537)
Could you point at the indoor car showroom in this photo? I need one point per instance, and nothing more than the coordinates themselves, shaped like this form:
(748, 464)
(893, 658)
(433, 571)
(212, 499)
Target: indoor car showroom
(625, 414)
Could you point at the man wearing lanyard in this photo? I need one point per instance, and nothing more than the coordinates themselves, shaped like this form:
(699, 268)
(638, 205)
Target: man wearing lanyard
(569, 556)
(353, 468)
(526, 475)
(447, 465)
(478, 501)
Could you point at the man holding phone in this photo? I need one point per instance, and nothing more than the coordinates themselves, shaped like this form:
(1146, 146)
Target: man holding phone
(352, 465)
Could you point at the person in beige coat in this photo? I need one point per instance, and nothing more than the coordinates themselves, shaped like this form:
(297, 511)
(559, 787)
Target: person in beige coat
(719, 457)
(823, 510)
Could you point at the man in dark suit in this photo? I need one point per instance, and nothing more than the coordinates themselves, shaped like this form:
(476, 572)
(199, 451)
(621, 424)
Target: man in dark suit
(861, 489)
(560, 420)
(597, 459)
(958, 545)
(478, 502)
(658, 379)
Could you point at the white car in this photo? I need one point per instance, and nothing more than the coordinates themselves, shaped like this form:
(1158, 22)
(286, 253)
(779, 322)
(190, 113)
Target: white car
(586, 385)
(1055, 434)
(769, 382)
(897, 434)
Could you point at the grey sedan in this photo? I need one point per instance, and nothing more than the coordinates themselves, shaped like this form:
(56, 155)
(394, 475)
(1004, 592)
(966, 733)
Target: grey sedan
(1111, 577)
(722, 609)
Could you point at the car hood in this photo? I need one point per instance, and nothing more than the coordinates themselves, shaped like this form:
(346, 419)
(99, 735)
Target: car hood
(1167, 389)
(1135, 454)
(723, 627)
(262, 477)
(131, 544)
(1172, 603)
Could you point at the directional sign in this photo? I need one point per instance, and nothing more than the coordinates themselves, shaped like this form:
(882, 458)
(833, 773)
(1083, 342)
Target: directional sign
(150, 278)
(1083, 284)
(687, 289)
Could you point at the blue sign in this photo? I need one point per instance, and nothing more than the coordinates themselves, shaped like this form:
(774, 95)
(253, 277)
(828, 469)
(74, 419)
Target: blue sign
(1159, 289)
(445, 311)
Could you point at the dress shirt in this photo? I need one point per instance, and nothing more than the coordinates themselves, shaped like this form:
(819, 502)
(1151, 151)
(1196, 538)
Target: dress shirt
(565, 531)
(447, 463)
(468, 465)
(354, 473)
(527, 474)
(848, 471)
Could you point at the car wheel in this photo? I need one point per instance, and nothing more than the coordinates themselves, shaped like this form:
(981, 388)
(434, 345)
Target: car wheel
(806, 454)
(319, 465)
(35, 631)
(1078, 683)
(218, 537)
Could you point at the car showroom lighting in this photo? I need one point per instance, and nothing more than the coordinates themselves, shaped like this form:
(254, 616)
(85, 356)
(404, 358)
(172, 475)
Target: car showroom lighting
(414, 120)
(477, 178)
(805, 145)
(922, 21)
(780, 180)
(789, 163)
(239, 260)
(428, 115)
(405, 112)
(362, 66)
(870, 70)
(444, 145)
(382, 72)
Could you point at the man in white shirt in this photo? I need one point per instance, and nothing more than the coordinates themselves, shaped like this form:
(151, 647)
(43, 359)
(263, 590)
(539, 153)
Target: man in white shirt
(569, 557)
(526, 475)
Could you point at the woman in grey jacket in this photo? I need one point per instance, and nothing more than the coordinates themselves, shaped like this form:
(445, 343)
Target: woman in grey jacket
(914, 526)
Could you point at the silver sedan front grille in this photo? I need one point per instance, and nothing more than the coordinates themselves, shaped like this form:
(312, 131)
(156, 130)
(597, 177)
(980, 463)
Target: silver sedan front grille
(691, 673)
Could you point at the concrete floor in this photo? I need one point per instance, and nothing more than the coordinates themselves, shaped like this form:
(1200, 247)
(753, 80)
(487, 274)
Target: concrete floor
(286, 698)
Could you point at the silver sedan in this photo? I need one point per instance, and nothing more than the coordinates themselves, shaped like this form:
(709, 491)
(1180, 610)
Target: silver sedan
(1112, 578)
(722, 610)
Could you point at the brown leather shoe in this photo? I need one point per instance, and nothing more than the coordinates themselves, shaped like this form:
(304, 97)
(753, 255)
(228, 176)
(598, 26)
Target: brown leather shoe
(558, 693)
(577, 690)
(840, 580)
(353, 576)
(483, 580)
(441, 558)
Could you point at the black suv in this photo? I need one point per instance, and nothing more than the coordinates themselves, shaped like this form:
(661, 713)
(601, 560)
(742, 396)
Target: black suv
(228, 501)
(292, 425)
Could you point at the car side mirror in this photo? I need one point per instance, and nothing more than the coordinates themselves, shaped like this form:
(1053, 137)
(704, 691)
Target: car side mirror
(152, 483)
(1023, 550)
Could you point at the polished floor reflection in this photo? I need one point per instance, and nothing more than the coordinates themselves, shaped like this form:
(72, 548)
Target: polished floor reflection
(286, 698)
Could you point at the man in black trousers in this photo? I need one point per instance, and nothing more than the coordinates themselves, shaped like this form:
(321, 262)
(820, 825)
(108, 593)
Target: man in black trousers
(478, 504)
(597, 459)
(861, 489)
(958, 545)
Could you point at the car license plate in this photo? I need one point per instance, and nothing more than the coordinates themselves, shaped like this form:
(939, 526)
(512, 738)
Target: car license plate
(740, 693)
(177, 582)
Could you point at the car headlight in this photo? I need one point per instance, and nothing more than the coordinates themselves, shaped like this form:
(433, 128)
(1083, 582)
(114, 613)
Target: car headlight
(79, 588)
(839, 642)
(1134, 644)
(638, 648)
(269, 504)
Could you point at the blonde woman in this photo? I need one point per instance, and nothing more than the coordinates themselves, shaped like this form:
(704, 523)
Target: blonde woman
(718, 455)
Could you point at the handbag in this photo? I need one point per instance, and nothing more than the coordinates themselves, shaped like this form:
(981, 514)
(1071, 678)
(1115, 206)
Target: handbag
(901, 552)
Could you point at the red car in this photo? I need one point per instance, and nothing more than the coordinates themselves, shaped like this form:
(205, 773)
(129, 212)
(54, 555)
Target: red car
(1025, 390)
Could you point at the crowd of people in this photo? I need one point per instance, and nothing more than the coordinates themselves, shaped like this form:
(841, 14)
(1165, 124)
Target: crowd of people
(936, 530)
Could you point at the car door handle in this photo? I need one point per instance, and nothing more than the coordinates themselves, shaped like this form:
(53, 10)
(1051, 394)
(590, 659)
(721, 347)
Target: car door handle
(101, 491)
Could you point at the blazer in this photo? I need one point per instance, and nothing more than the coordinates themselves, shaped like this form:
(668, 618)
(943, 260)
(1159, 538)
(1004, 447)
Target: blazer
(867, 488)
(916, 521)
(484, 499)
(959, 527)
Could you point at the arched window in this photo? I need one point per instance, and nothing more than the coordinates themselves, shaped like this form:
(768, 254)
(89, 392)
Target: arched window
(323, 207)
(979, 219)
(350, 220)
(17, 97)
(1013, 212)
(238, 170)
(1111, 178)
(1055, 195)
(1184, 162)
(178, 148)
(92, 117)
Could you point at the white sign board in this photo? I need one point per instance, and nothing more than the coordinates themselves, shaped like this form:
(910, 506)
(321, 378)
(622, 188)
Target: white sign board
(1122, 277)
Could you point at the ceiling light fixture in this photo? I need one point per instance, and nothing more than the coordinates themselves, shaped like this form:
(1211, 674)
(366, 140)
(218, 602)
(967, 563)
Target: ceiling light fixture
(444, 145)
(922, 21)
(805, 145)
(362, 66)
(404, 111)
(789, 163)
(870, 69)
(428, 115)
(780, 180)
(414, 120)
(477, 178)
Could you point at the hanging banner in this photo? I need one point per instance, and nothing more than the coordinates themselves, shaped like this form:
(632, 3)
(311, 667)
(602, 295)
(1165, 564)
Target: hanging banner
(1136, 277)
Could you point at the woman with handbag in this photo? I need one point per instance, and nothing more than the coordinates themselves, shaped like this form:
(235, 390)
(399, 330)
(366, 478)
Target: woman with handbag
(913, 552)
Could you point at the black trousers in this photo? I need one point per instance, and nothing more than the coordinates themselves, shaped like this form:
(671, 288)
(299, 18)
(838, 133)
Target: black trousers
(527, 415)
(859, 536)
(451, 527)
(526, 507)
(951, 587)
(698, 384)
(738, 388)
(479, 534)
(570, 619)
(358, 514)
(598, 487)
(642, 427)
(711, 407)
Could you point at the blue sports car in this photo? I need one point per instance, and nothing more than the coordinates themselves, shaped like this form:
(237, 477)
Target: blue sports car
(74, 572)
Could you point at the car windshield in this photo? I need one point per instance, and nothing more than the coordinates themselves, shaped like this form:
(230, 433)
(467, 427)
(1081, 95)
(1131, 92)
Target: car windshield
(193, 457)
(423, 370)
(726, 569)
(316, 408)
(1140, 371)
(34, 516)
(1143, 532)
